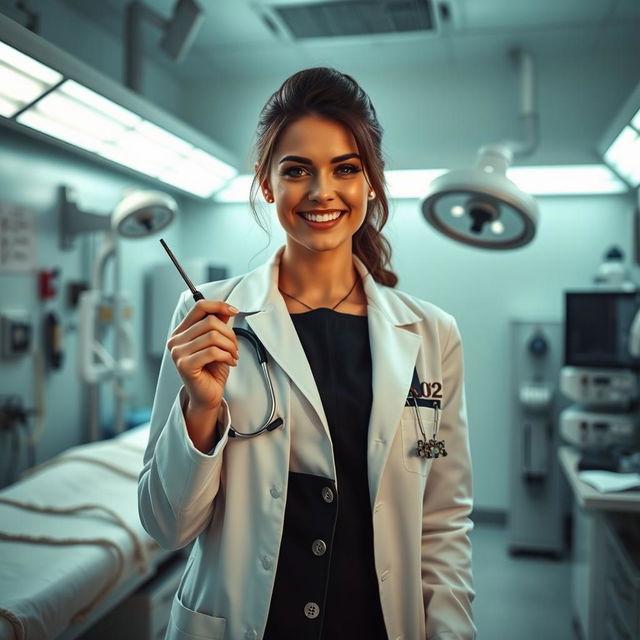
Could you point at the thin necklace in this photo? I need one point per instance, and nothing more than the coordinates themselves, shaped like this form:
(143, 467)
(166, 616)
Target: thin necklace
(334, 306)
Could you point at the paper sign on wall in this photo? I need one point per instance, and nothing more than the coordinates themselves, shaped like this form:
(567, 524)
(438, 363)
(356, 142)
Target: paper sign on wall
(17, 238)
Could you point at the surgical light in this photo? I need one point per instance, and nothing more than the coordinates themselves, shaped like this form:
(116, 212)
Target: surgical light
(485, 197)
(70, 103)
(496, 214)
(139, 213)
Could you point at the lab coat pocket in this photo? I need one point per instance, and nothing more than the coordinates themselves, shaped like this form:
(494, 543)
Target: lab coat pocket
(411, 433)
(186, 624)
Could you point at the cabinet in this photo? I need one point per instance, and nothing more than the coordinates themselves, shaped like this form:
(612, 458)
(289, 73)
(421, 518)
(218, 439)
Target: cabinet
(622, 577)
(605, 560)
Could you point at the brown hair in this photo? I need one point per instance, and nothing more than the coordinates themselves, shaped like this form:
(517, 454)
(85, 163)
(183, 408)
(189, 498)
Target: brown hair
(336, 96)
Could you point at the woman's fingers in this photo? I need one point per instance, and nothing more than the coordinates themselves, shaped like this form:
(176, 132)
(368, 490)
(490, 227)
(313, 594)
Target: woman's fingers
(203, 348)
(201, 324)
(212, 338)
(203, 308)
(194, 362)
(205, 326)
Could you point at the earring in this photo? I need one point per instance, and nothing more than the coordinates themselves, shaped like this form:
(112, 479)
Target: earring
(371, 195)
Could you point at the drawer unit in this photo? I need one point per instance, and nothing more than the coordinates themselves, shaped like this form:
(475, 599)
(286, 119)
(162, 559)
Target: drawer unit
(616, 627)
(622, 576)
(144, 615)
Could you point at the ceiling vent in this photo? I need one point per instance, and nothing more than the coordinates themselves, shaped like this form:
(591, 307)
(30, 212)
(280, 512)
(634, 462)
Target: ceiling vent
(348, 18)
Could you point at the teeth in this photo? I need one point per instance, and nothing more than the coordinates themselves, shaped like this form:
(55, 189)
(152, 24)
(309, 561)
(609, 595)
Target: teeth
(325, 217)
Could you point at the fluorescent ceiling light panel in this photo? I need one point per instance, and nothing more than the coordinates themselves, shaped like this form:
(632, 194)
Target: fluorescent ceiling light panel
(410, 183)
(101, 105)
(22, 80)
(624, 155)
(538, 181)
(237, 190)
(76, 115)
(567, 180)
(42, 99)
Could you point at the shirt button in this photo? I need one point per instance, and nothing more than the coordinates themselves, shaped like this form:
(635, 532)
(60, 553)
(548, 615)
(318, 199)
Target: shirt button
(267, 563)
(319, 547)
(311, 610)
(275, 492)
(327, 494)
(251, 634)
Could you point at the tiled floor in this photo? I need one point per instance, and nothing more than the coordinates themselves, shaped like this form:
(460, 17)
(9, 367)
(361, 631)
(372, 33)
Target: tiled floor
(518, 597)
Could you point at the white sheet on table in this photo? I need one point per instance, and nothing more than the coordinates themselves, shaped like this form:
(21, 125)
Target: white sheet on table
(46, 585)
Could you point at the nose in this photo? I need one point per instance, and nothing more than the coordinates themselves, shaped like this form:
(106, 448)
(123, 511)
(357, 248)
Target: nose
(321, 188)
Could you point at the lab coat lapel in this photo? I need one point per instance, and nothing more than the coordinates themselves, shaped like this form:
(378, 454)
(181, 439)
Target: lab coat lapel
(394, 350)
(258, 297)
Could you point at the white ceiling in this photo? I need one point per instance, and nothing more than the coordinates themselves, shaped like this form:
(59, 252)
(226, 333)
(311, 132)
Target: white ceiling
(235, 41)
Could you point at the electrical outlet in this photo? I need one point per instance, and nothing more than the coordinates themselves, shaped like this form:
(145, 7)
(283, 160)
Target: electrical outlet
(16, 332)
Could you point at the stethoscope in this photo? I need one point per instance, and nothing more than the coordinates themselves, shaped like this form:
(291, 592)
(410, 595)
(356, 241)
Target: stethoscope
(261, 354)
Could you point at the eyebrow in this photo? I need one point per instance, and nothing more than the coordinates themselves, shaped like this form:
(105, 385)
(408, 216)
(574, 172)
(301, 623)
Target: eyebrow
(302, 160)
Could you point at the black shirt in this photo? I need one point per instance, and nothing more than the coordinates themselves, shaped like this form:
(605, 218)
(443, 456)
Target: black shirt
(342, 581)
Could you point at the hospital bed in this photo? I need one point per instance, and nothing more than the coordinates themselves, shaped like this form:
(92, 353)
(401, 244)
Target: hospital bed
(71, 542)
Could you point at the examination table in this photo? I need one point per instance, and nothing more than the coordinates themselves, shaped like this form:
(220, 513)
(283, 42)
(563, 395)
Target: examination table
(71, 543)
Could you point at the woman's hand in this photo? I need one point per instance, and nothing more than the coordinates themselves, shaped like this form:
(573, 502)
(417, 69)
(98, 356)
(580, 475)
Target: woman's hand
(203, 347)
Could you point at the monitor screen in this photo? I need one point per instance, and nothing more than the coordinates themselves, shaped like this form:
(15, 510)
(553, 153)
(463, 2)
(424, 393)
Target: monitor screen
(597, 325)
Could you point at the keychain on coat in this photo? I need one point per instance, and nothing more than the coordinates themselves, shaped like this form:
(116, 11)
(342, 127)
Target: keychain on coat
(427, 448)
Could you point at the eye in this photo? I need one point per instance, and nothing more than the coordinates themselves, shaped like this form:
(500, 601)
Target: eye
(347, 169)
(294, 172)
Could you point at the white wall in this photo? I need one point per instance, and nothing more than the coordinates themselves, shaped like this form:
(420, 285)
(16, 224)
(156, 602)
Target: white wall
(483, 290)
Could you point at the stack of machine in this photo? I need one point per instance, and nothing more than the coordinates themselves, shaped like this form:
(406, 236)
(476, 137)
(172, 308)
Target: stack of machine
(602, 336)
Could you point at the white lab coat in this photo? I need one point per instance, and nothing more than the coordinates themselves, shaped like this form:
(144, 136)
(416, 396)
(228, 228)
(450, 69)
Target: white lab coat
(232, 500)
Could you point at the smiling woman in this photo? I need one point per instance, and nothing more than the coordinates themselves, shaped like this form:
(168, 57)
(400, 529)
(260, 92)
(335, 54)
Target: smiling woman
(319, 159)
(321, 193)
(351, 520)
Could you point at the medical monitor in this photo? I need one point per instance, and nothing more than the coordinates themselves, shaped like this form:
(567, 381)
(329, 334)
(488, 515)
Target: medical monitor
(597, 327)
